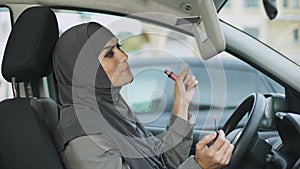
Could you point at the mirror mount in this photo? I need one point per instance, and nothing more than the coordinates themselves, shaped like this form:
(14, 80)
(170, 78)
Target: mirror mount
(270, 8)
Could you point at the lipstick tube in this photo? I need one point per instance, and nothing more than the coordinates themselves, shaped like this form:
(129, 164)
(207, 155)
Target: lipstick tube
(171, 75)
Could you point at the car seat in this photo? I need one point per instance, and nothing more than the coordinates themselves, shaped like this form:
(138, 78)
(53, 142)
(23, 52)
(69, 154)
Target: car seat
(27, 123)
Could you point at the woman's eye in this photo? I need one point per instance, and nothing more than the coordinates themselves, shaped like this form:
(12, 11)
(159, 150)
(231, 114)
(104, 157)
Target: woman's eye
(109, 54)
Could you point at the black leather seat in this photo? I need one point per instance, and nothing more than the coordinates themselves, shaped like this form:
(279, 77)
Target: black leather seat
(27, 124)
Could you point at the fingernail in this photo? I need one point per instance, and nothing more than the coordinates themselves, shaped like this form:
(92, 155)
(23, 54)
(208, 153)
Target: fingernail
(213, 133)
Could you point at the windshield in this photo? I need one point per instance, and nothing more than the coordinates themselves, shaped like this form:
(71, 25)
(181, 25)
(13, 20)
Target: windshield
(282, 33)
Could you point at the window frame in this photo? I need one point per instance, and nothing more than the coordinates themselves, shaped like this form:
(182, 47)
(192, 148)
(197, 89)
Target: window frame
(252, 31)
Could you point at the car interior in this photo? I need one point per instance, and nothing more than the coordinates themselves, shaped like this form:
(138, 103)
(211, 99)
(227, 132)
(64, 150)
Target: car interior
(264, 126)
(31, 119)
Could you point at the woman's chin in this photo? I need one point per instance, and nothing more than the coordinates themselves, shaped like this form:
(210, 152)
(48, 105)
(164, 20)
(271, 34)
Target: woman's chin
(122, 81)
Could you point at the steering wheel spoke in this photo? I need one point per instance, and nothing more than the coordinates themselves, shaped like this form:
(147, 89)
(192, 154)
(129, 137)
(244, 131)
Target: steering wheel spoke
(234, 135)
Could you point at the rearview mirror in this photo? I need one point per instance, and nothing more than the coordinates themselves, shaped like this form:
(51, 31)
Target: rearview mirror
(270, 8)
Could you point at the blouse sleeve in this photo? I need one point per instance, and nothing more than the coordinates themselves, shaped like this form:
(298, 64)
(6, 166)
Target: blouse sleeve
(84, 153)
(176, 141)
(190, 163)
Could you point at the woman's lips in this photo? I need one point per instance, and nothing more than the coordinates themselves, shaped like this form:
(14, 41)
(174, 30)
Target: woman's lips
(126, 70)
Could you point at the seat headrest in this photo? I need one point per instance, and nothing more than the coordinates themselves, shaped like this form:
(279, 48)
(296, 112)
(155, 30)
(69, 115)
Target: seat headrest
(28, 53)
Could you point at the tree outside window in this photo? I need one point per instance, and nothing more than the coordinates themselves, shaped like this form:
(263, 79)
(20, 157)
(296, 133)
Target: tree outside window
(296, 35)
(284, 3)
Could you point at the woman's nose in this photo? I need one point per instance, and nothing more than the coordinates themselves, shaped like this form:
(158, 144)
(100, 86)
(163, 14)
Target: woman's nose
(123, 56)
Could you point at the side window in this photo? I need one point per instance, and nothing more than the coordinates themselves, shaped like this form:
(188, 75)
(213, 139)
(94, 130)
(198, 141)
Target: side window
(295, 4)
(228, 4)
(5, 28)
(224, 81)
(251, 3)
(139, 36)
(253, 31)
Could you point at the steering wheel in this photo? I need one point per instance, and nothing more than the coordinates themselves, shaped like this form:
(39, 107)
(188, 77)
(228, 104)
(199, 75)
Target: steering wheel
(255, 105)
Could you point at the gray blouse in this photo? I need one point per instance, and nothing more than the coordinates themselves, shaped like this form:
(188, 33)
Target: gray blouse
(98, 152)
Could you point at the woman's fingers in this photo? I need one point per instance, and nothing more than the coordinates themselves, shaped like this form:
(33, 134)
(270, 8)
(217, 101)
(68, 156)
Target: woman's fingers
(219, 141)
(192, 78)
(183, 92)
(216, 156)
(205, 140)
(186, 79)
(222, 149)
(183, 73)
(189, 81)
(193, 84)
(228, 154)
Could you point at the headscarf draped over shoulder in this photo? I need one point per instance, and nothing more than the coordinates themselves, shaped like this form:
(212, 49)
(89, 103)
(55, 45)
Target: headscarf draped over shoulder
(90, 104)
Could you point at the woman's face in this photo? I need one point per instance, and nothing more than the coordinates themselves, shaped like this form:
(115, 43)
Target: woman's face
(114, 63)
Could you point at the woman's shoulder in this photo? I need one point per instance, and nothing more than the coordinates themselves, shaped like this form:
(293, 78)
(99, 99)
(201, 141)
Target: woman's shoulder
(97, 141)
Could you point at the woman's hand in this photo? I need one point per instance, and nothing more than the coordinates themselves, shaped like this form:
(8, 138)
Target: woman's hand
(184, 90)
(217, 155)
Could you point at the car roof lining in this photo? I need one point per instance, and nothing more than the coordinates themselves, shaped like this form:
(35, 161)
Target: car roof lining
(128, 6)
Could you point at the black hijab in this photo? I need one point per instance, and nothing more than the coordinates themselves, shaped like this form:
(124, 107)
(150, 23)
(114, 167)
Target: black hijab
(91, 105)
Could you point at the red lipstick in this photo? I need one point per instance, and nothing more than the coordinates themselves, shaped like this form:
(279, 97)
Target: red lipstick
(171, 75)
(216, 128)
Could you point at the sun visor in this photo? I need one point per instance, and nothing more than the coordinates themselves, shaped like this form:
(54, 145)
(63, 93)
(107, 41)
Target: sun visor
(206, 29)
(202, 23)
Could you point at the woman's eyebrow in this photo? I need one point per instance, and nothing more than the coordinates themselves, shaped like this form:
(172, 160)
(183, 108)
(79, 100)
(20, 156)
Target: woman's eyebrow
(109, 47)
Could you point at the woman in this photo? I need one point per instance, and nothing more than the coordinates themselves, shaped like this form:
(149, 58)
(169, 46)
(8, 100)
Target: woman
(97, 128)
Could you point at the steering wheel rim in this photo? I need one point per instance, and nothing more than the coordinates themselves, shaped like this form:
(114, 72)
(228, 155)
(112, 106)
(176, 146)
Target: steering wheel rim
(255, 105)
